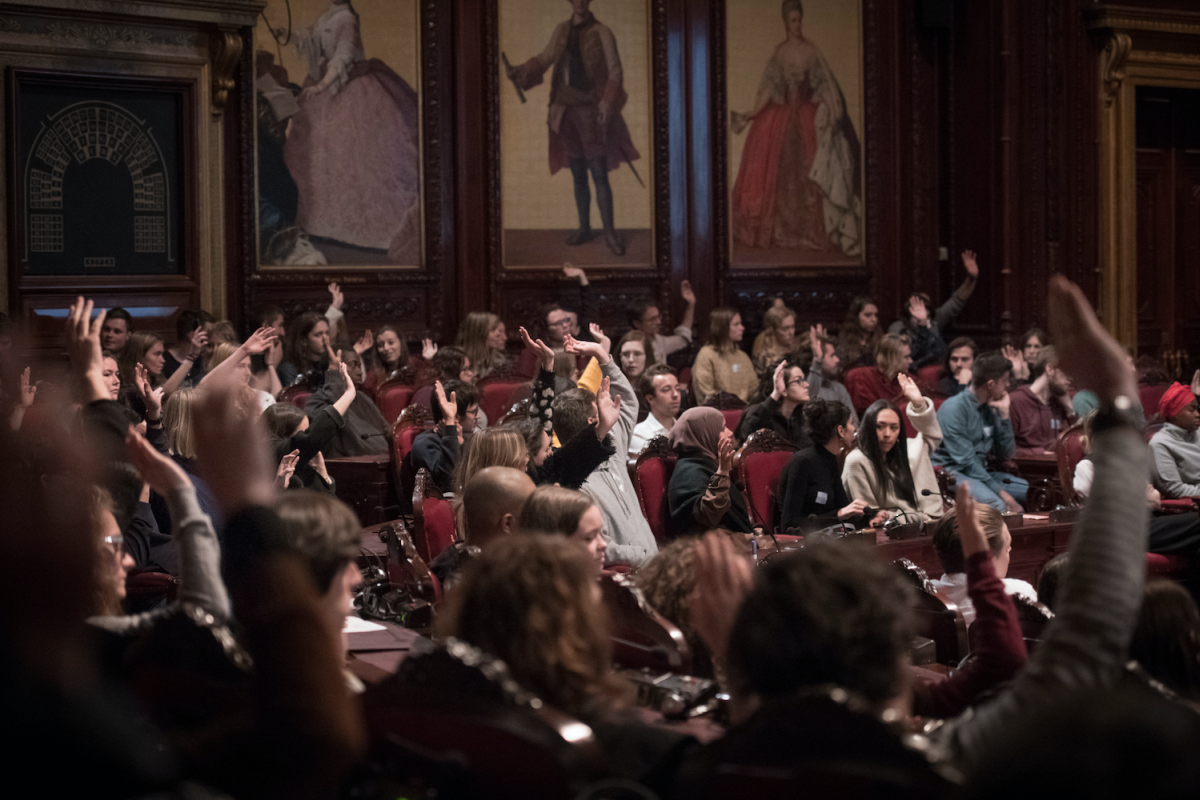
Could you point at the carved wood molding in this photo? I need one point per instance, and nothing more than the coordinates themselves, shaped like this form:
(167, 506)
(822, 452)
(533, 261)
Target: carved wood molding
(225, 48)
(1113, 59)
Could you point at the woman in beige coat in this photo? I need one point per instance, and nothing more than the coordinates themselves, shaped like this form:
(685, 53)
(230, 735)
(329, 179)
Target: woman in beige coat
(890, 471)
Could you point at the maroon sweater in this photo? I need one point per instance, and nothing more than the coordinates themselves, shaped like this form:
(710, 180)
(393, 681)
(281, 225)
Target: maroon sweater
(997, 647)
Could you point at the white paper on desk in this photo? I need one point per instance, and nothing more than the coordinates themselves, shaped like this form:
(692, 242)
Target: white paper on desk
(356, 624)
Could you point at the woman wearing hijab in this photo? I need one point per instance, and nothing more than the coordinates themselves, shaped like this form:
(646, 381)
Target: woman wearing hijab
(701, 495)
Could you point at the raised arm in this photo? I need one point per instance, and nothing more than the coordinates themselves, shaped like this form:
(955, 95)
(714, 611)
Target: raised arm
(1086, 645)
(83, 348)
(259, 342)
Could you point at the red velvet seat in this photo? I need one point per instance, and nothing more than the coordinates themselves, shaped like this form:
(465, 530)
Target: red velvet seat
(496, 397)
(937, 616)
(296, 395)
(433, 519)
(392, 397)
(733, 417)
(858, 382)
(422, 396)
(1174, 567)
(1069, 451)
(1150, 396)
(651, 477)
(756, 468)
(413, 421)
(928, 377)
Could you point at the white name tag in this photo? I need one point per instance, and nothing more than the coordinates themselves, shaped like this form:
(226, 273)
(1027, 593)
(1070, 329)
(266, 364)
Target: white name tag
(735, 367)
(822, 498)
(987, 430)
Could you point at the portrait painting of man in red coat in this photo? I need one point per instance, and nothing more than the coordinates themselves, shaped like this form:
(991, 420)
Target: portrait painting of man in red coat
(587, 133)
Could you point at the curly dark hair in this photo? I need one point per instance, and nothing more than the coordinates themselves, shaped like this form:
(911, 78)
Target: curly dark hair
(667, 582)
(824, 417)
(824, 615)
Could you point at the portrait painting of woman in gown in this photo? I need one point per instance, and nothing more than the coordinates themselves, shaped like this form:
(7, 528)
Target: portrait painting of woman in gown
(798, 185)
(353, 147)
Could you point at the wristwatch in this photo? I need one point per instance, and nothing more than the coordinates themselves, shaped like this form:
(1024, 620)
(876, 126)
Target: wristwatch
(1115, 413)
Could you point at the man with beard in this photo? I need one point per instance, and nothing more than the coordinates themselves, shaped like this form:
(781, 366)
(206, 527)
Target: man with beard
(823, 383)
(1041, 410)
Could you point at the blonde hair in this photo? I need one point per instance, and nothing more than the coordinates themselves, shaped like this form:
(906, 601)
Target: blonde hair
(491, 447)
(887, 357)
(177, 422)
(223, 332)
(553, 510)
(107, 598)
(221, 352)
(472, 338)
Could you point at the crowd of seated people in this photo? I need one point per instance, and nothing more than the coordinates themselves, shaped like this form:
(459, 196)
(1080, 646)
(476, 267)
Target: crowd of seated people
(206, 468)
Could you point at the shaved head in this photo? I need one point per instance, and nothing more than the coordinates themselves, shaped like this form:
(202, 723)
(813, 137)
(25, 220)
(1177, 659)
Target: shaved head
(492, 500)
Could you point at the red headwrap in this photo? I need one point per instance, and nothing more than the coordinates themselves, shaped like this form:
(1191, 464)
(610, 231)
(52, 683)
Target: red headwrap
(1174, 400)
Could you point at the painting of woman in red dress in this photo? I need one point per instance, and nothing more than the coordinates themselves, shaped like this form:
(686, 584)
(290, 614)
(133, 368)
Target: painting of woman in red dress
(799, 182)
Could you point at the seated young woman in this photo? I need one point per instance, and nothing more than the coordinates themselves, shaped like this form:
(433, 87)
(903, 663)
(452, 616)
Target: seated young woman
(889, 470)
(447, 364)
(636, 353)
(810, 490)
(390, 358)
(784, 392)
(306, 350)
(532, 602)
(777, 340)
(483, 337)
(893, 357)
(195, 540)
(494, 447)
(701, 494)
(145, 349)
(859, 336)
(293, 433)
(721, 365)
(555, 511)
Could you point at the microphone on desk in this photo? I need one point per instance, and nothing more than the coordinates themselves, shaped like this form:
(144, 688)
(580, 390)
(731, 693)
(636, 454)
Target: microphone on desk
(928, 493)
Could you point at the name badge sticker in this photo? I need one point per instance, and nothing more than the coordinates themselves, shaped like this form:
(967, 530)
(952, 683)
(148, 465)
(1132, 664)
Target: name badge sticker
(822, 498)
(734, 367)
(987, 430)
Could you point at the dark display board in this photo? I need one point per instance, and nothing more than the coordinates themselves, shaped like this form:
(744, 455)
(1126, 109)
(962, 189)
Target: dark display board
(98, 174)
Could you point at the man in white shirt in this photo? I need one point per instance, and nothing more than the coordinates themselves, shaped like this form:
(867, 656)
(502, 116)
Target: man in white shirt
(646, 318)
(659, 385)
(949, 551)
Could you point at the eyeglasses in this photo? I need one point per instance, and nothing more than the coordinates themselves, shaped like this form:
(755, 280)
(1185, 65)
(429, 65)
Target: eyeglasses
(116, 542)
(562, 323)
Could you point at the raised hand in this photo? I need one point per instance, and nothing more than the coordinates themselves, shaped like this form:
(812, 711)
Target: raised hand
(160, 472)
(350, 390)
(608, 408)
(815, 334)
(151, 398)
(578, 348)
(972, 266)
(274, 355)
(909, 388)
(598, 335)
(779, 380)
(1019, 369)
(336, 298)
(723, 579)
(973, 539)
(1196, 382)
(576, 273)
(685, 291)
(260, 341)
(449, 405)
(83, 348)
(725, 451)
(544, 352)
(287, 467)
(365, 342)
(917, 310)
(196, 341)
(335, 360)
(1086, 351)
(231, 448)
(428, 349)
(28, 392)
